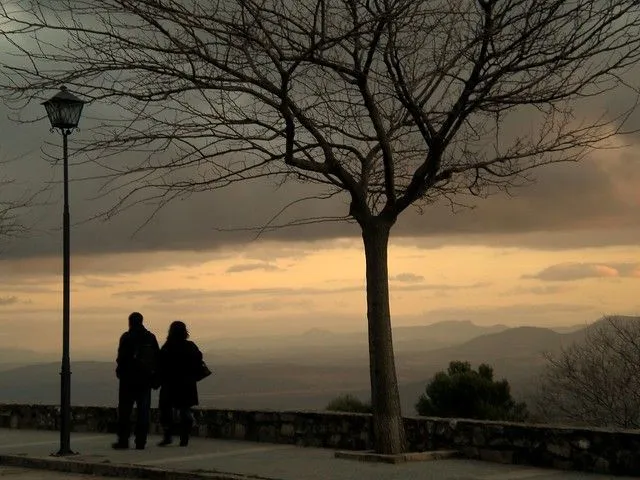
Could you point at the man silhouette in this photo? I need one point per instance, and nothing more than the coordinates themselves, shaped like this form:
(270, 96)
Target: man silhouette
(136, 370)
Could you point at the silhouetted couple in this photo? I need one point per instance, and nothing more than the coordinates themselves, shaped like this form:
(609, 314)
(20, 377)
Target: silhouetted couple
(142, 366)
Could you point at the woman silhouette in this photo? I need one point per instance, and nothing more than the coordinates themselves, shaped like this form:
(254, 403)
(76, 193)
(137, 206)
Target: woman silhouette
(179, 361)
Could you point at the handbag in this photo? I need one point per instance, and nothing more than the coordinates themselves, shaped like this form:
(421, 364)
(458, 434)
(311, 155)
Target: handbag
(202, 371)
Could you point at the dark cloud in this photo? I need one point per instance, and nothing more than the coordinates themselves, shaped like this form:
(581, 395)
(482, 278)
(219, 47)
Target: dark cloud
(31, 270)
(537, 240)
(598, 196)
(568, 272)
(567, 199)
(249, 267)
(408, 277)
(571, 205)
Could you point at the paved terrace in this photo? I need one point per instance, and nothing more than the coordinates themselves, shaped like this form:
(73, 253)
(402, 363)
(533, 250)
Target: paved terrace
(208, 458)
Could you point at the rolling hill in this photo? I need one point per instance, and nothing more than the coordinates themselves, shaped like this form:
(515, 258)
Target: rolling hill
(19, 356)
(307, 376)
(322, 347)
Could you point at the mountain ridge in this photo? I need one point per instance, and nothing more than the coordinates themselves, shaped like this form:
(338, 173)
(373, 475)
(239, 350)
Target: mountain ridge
(296, 379)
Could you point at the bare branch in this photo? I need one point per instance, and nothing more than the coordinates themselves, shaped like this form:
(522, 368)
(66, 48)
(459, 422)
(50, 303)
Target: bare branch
(9, 225)
(411, 96)
(15, 201)
(596, 381)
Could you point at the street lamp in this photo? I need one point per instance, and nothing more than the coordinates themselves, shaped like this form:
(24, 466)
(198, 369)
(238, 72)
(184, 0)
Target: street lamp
(63, 110)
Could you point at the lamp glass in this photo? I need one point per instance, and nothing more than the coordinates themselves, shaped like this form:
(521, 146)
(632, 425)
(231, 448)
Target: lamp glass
(64, 109)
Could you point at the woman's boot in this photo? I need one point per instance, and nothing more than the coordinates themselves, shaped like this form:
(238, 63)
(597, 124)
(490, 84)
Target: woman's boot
(186, 423)
(166, 438)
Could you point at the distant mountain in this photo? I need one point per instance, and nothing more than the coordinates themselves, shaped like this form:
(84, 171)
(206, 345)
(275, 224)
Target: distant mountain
(92, 383)
(569, 328)
(322, 346)
(512, 343)
(308, 375)
(449, 332)
(510, 347)
(579, 335)
(259, 385)
(304, 382)
(516, 354)
(620, 318)
(17, 356)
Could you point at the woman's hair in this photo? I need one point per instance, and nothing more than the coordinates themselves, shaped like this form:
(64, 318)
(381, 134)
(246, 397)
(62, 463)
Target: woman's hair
(177, 331)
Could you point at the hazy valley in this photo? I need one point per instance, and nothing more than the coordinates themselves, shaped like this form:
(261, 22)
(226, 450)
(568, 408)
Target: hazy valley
(303, 371)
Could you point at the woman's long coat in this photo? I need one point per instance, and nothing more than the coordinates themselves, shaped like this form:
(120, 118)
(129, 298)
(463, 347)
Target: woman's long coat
(179, 361)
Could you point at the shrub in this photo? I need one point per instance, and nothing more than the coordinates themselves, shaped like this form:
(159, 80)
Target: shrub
(348, 403)
(465, 393)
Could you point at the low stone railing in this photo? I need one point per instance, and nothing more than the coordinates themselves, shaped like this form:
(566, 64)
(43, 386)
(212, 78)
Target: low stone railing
(597, 450)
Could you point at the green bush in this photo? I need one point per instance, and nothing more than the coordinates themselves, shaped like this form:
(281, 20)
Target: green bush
(348, 403)
(461, 392)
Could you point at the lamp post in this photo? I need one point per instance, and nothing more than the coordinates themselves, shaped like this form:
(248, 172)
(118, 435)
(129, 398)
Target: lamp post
(63, 110)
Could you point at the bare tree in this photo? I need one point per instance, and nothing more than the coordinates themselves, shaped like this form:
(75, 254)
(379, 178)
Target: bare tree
(595, 381)
(391, 103)
(9, 225)
(14, 201)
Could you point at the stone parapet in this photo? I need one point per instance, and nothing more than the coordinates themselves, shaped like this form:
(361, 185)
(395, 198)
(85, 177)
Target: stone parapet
(561, 447)
(587, 449)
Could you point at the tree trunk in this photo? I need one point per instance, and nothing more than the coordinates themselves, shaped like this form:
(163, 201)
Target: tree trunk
(388, 427)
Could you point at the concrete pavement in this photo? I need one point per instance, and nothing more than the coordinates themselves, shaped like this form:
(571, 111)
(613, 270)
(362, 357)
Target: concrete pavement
(234, 460)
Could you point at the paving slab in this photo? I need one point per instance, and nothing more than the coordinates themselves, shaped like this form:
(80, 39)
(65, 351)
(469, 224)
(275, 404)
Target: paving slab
(222, 459)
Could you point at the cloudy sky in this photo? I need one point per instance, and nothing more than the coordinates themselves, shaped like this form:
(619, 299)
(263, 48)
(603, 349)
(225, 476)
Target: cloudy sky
(562, 251)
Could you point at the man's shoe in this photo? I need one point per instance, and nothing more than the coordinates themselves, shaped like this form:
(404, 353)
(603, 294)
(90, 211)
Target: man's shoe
(120, 446)
(164, 442)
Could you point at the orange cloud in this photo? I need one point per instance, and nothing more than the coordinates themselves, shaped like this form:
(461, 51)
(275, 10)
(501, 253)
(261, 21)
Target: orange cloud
(571, 271)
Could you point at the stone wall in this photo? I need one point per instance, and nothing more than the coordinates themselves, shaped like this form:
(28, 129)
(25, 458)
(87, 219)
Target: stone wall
(349, 431)
(596, 450)
(569, 448)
